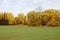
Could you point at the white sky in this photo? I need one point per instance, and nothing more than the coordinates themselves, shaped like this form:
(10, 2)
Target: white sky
(24, 6)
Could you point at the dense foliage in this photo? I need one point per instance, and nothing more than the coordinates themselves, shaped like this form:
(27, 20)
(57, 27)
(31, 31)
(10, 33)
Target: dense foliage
(49, 17)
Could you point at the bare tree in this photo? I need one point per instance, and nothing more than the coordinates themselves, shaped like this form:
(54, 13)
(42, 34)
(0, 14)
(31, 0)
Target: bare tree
(38, 9)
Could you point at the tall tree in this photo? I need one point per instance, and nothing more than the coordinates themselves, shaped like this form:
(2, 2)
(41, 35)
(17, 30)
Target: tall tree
(21, 18)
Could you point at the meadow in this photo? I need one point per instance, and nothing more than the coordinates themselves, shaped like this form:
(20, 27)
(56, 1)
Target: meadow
(21, 32)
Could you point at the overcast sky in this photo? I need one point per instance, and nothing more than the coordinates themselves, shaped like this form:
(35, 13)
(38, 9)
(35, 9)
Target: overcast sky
(24, 6)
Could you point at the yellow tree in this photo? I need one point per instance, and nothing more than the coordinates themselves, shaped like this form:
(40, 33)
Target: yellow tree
(33, 18)
(3, 19)
(25, 20)
(44, 18)
(1, 16)
(10, 17)
(30, 18)
(21, 18)
(53, 16)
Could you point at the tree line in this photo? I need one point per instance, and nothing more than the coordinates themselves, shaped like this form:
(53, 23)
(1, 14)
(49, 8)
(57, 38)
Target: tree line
(50, 17)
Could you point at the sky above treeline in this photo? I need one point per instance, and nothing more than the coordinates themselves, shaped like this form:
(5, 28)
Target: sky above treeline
(24, 6)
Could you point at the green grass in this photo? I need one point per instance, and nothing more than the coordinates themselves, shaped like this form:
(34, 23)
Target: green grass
(29, 33)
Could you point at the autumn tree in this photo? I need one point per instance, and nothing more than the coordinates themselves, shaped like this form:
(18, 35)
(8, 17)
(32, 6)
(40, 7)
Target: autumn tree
(53, 16)
(17, 20)
(25, 20)
(11, 19)
(21, 18)
(3, 18)
(33, 18)
(7, 18)
(44, 18)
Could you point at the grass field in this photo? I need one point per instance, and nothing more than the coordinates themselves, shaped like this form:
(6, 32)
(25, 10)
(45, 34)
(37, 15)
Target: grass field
(29, 33)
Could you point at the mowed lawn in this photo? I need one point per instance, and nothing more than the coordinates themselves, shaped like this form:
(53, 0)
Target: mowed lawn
(20, 32)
